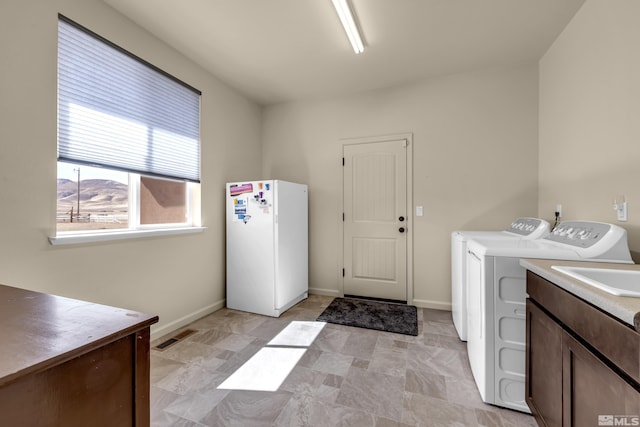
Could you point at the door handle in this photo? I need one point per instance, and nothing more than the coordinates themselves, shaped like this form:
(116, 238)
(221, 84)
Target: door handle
(474, 255)
(401, 229)
(401, 219)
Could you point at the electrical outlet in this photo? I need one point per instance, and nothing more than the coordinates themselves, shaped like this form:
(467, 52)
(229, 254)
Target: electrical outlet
(622, 212)
(620, 206)
(559, 210)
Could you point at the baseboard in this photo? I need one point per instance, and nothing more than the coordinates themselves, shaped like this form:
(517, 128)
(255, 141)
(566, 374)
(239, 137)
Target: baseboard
(325, 292)
(185, 320)
(192, 317)
(436, 305)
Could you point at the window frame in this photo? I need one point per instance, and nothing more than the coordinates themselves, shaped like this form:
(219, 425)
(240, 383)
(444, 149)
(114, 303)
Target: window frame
(93, 237)
(134, 229)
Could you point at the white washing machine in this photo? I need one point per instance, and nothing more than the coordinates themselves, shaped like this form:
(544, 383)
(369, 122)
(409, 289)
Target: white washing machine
(521, 228)
(496, 299)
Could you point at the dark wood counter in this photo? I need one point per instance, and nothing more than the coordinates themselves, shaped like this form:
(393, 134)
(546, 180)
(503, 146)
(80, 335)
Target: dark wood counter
(65, 362)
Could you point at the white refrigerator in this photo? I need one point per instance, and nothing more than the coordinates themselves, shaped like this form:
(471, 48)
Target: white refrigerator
(267, 246)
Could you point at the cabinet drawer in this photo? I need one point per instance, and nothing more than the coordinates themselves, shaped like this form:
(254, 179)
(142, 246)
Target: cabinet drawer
(615, 340)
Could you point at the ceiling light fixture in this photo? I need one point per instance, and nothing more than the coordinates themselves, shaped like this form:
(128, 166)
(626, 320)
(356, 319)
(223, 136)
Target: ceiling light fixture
(349, 24)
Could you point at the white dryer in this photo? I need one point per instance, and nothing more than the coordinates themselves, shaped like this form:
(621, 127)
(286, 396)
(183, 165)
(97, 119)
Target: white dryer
(522, 228)
(496, 299)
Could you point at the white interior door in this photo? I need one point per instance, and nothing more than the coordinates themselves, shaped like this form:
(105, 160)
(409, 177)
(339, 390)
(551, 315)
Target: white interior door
(375, 219)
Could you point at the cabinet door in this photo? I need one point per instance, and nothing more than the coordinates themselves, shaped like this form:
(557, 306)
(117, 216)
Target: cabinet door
(543, 374)
(594, 394)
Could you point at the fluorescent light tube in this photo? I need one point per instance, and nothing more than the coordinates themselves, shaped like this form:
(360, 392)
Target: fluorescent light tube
(349, 24)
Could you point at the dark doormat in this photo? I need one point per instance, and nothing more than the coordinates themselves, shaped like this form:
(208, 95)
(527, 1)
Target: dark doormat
(381, 316)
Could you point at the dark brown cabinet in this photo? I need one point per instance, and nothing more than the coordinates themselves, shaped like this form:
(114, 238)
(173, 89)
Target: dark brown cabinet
(544, 355)
(593, 390)
(66, 362)
(582, 365)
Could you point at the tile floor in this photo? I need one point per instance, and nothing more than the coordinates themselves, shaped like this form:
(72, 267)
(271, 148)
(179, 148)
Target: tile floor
(346, 377)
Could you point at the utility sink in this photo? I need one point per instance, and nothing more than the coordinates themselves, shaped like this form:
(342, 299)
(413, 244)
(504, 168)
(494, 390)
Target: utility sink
(624, 283)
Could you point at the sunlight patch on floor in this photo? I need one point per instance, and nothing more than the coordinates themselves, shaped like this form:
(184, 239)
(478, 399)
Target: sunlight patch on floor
(298, 334)
(265, 371)
(271, 365)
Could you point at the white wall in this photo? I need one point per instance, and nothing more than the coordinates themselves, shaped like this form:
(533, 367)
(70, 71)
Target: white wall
(475, 157)
(179, 277)
(590, 116)
(475, 162)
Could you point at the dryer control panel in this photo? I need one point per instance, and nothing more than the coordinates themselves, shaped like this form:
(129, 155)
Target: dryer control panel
(532, 227)
(582, 234)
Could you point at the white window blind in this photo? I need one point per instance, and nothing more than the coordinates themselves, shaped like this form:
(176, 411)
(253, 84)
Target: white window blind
(117, 111)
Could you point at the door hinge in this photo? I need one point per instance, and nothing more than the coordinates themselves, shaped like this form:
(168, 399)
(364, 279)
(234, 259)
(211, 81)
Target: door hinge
(343, 272)
(343, 161)
(342, 216)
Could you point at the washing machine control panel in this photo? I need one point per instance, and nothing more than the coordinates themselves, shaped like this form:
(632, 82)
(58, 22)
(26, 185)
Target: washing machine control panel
(529, 227)
(579, 233)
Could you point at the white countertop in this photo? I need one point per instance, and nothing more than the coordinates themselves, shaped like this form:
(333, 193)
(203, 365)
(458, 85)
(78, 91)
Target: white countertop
(627, 309)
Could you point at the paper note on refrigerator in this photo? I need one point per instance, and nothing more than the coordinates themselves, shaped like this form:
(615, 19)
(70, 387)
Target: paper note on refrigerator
(238, 189)
(240, 209)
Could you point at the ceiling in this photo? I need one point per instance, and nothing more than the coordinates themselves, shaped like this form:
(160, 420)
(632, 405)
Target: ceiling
(282, 50)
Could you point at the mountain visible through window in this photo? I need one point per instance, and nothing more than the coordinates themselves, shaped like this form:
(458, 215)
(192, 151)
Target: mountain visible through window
(91, 198)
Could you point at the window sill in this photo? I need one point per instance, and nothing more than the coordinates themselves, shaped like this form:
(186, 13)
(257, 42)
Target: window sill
(120, 235)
